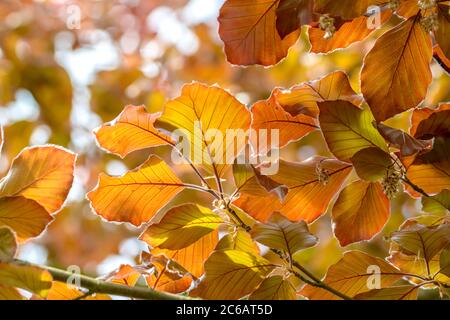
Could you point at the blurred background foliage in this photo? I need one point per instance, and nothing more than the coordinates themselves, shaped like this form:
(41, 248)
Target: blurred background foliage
(58, 83)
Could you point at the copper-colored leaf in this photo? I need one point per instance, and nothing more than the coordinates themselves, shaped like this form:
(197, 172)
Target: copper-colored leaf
(274, 288)
(392, 293)
(440, 58)
(194, 256)
(136, 196)
(292, 14)
(125, 275)
(26, 217)
(232, 274)
(280, 233)
(401, 81)
(350, 276)
(443, 30)
(43, 174)
(181, 226)
(428, 123)
(347, 33)
(348, 129)
(346, 9)
(371, 164)
(132, 130)
(360, 212)
(201, 108)
(408, 145)
(248, 29)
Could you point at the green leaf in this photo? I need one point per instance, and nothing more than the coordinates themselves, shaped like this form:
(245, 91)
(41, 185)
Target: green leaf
(371, 164)
(437, 204)
(348, 129)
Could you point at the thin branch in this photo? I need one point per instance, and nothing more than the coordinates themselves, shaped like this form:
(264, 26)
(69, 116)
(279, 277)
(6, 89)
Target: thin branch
(99, 286)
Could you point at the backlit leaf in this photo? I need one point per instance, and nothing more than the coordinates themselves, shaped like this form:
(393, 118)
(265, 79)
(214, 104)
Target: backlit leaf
(8, 293)
(444, 262)
(401, 81)
(132, 130)
(392, 293)
(136, 196)
(280, 233)
(200, 108)
(248, 29)
(347, 33)
(126, 275)
(8, 244)
(351, 276)
(348, 129)
(194, 256)
(26, 217)
(292, 14)
(428, 123)
(371, 164)
(232, 274)
(274, 288)
(181, 226)
(346, 9)
(25, 277)
(43, 174)
(360, 212)
(437, 204)
(422, 241)
(238, 240)
(442, 32)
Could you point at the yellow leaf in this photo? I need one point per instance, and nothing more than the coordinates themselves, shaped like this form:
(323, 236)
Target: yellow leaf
(132, 130)
(280, 233)
(437, 204)
(8, 244)
(30, 278)
(360, 212)
(8, 293)
(232, 274)
(351, 275)
(401, 81)
(43, 174)
(348, 129)
(26, 217)
(238, 240)
(181, 226)
(248, 29)
(206, 114)
(371, 164)
(136, 196)
(274, 288)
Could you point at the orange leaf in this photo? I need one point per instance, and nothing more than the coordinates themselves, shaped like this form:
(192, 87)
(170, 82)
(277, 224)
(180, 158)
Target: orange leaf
(428, 123)
(248, 29)
(136, 196)
(293, 112)
(132, 130)
(360, 212)
(441, 34)
(440, 58)
(311, 183)
(125, 275)
(346, 9)
(43, 174)
(401, 81)
(194, 256)
(392, 293)
(26, 217)
(347, 33)
(8, 293)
